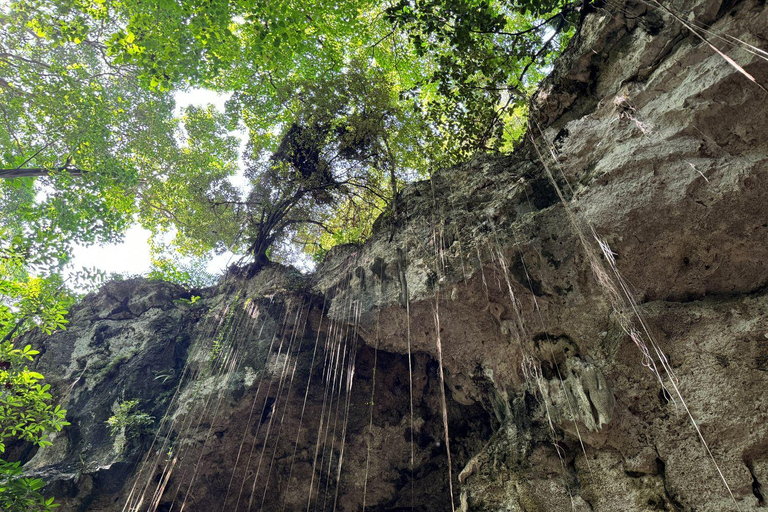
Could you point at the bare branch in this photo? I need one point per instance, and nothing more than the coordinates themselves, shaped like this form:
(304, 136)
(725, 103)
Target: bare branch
(35, 172)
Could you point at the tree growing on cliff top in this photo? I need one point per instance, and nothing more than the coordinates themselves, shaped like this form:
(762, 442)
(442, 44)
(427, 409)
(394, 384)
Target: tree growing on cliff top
(343, 147)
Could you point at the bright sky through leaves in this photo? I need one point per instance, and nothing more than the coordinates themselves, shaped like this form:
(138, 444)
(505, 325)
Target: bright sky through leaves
(132, 256)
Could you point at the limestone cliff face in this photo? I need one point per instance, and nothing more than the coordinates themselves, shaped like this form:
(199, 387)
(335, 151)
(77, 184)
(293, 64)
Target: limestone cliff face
(287, 391)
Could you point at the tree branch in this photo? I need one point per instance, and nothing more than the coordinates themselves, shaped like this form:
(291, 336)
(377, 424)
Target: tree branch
(36, 172)
(16, 327)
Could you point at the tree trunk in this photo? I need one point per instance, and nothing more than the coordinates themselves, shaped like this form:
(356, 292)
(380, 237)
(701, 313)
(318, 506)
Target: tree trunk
(392, 175)
(36, 172)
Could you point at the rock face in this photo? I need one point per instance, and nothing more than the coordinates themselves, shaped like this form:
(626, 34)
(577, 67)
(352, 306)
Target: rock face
(595, 304)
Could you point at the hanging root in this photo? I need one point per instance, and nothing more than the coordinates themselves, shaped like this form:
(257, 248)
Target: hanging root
(624, 305)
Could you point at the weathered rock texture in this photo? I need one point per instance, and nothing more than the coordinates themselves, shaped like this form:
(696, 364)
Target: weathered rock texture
(287, 383)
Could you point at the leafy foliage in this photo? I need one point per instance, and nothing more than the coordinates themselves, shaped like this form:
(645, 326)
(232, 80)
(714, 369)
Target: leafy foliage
(486, 57)
(28, 300)
(63, 109)
(26, 414)
(179, 202)
(25, 409)
(189, 272)
(92, 138)
(20, 494)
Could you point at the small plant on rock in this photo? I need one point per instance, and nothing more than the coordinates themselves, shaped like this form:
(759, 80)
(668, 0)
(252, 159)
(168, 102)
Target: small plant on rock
(128, 421)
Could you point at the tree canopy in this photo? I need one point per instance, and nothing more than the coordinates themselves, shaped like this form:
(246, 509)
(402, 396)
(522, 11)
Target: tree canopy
(395, 89)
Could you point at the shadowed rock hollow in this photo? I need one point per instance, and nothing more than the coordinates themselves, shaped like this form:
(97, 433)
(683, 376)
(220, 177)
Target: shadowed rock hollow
(285, 389)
